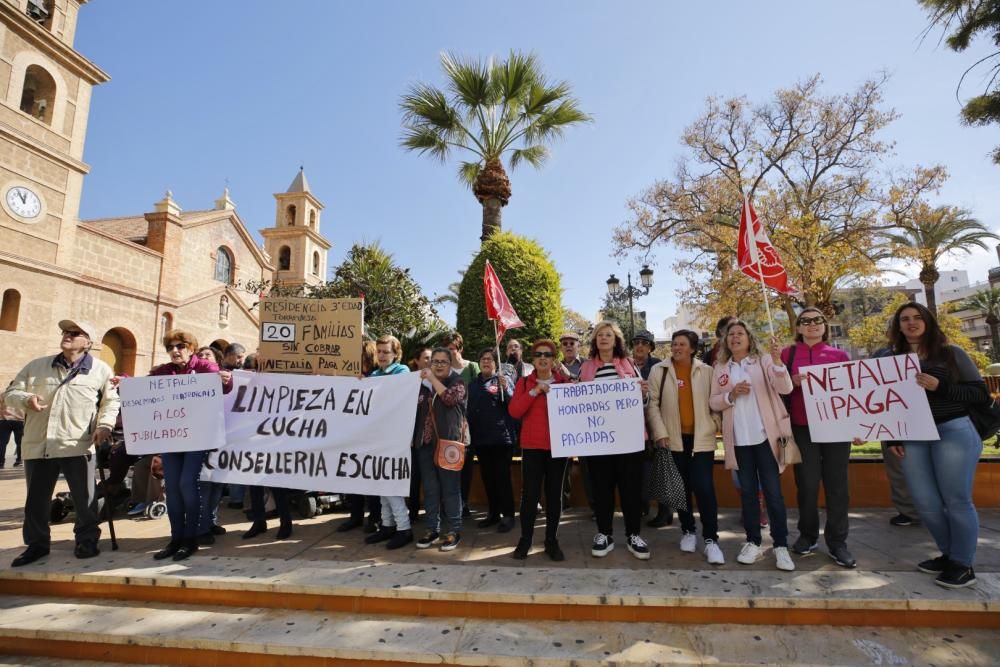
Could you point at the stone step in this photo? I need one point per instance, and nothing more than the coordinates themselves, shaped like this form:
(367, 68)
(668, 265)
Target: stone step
(834, 597)
(135, 632)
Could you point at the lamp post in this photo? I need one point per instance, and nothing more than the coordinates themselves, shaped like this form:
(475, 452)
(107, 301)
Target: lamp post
(618, 294)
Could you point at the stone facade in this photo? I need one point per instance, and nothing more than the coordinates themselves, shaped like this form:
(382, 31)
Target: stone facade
(133, 277)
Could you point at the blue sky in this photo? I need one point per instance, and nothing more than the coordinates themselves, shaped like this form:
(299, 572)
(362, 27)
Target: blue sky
(202, 92)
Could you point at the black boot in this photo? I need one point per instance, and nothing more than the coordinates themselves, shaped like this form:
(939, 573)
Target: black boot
(258, 528)
(664, 517)
(168, 551)
(189, 547)
(284, 531)
(381, 535)
(553, 550)
(522, 548)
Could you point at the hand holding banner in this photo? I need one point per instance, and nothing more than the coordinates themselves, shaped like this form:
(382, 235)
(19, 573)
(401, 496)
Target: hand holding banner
(172, 413)
(597, 417)
(870, 399)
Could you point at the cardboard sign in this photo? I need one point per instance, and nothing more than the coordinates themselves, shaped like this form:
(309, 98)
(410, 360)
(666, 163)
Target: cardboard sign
(315, 433)
(597, 417)
(172, 413)
(310, 336)
(871, 399)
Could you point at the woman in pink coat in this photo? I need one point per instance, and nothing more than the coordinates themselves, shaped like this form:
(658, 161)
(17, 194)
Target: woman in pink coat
(745, 388)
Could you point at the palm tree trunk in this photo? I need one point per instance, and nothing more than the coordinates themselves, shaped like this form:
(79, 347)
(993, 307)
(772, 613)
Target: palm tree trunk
(491, 217)
(931, 299)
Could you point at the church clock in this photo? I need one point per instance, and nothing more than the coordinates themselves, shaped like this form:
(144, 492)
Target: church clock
(23, 202)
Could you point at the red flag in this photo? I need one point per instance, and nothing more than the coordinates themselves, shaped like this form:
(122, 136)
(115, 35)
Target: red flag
(497, 304)
(757, 257)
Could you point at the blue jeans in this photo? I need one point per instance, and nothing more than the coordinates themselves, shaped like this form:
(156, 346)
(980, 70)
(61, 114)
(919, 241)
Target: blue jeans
(758, 468)
(394, 513)
(440, 487)
(211, 496)
(237, 492)
(180, 473)
(939, 475)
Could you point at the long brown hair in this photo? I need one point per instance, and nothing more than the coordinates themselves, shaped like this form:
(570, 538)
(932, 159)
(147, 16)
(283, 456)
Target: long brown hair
(934, 342)
(725, 354)
(619, 349)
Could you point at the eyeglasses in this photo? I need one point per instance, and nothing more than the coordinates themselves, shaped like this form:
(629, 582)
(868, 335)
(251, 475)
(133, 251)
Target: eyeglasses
(568, 341)
(440, 362)
(176, 346)
(543, 355)
(812, 320)
(73, 334)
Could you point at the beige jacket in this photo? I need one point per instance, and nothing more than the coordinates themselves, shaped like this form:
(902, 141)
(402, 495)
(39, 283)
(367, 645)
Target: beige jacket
(663, 415)
(75, 409)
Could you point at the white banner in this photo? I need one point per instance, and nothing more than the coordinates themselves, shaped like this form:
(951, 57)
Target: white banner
(316, 433)
(172, 413)
(598, 417)
(871, 399)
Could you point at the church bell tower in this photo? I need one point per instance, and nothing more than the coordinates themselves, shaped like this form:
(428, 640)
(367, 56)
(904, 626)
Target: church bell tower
(295, 244)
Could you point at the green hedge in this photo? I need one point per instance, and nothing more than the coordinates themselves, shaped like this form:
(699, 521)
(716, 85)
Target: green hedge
(532, 284)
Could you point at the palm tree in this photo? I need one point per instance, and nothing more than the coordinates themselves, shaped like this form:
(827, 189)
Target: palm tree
(929, 234)
(490, 109)
(987, 302)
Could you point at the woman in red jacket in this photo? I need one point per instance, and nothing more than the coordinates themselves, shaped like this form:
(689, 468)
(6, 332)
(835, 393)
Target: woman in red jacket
(530, 405)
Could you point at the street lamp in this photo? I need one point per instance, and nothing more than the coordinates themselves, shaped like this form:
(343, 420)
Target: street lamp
(618, 294)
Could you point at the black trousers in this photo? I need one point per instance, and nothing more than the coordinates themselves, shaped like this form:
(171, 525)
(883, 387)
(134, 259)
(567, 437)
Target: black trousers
(358, 504)
(9, 427)
(41, 476)
(494, 469)
(415, 503)
(624, 472)
(467, 470)
(540, 471)
(696, 470)
(257, 503)
(827, 462)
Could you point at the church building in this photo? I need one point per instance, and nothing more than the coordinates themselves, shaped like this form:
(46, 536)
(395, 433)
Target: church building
(133, 277)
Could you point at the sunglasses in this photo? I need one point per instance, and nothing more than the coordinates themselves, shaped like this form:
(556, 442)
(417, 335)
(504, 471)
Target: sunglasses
(73, 334)
(176, 346)
(543, 355)
(811, 320)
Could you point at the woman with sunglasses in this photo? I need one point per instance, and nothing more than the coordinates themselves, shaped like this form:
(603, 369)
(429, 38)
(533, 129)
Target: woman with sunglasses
(182, 469)
(608, 359)
(826, 461)
(538, 468)
(940, 473)
(746, 383)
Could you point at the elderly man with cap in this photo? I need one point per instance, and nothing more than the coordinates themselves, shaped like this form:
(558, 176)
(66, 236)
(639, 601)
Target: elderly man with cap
(569, 345)
(70, 405)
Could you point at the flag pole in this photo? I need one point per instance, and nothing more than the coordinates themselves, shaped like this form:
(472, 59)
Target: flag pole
(496, 337)
(752, 247)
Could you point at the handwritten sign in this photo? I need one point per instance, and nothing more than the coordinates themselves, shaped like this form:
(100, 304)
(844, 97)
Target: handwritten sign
(310, 336)
(172, 413)
(598, 417)
(317, 433)
(871, 399)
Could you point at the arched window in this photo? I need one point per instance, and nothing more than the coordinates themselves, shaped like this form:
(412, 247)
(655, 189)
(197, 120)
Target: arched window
(223, 266)
(10, 310)
(284, 258)
(166, 323)
(315, 263)
(38, 96)
(312, 219)
(223, 308)
(290, 215)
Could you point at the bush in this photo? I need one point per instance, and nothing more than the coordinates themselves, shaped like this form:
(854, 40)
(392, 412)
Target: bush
(532, 285)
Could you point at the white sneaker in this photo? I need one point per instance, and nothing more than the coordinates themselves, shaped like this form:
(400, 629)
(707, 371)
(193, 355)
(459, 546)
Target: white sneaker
(713, 554)
(749, 554)
(689, 542)
(783, 560)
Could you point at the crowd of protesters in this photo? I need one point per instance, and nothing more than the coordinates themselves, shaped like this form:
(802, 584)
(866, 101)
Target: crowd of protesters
(744, 391)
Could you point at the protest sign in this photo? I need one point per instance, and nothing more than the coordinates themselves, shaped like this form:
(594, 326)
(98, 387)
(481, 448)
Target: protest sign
(310, 336)
(172, 413)
(598, 417)
(871, 399)
(315, 433)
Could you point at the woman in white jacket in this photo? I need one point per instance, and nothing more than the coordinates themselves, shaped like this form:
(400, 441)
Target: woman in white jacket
(680, 419)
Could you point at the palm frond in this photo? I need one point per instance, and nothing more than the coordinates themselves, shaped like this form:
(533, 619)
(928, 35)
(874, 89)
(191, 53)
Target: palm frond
(551, 122)
(515, 77)
(468, 172)
(425, 140)
(534, 155)
(468, 80)
(427, 105)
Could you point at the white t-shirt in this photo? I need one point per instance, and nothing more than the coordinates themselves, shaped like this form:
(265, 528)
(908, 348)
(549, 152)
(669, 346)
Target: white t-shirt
(748, 427)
